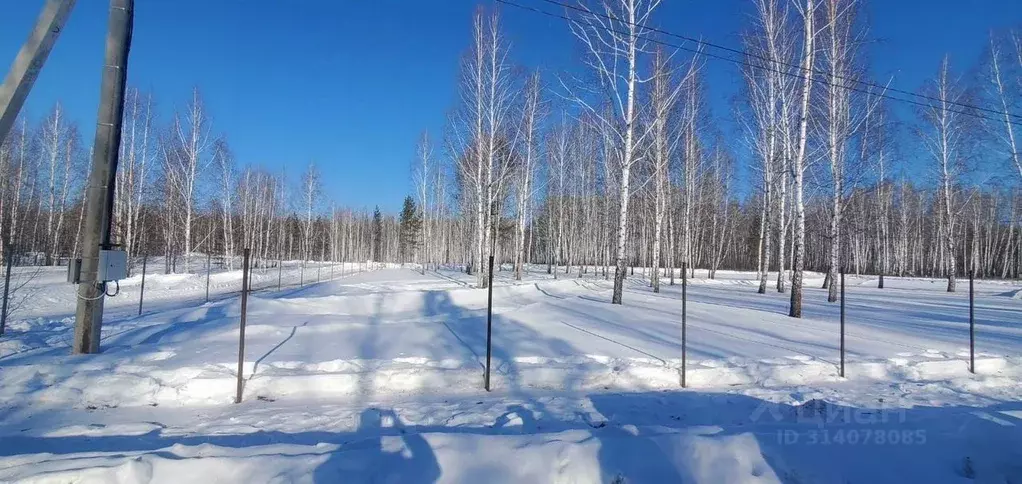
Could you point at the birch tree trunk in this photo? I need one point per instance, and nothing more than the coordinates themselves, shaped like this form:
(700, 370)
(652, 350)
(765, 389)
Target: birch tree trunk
(614, 41)
(529, 121)
(808, 64)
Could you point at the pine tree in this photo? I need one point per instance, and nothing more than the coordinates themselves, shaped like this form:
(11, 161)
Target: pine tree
(377, 235)
(411, 224)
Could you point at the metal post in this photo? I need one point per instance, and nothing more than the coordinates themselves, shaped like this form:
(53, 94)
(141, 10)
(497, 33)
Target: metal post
(141, 292)
(30, 60)
(319, 270)
(208, 270)
(684, 322)
(842, 322)
(489, 326)
(103, 177)
(972, 321)
(280, 268)
(241, 333)
(7, 288)
(301, 276)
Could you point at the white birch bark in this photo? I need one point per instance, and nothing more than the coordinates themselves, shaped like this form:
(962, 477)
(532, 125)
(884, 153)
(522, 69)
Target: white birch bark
(614, 42)
(808, 12)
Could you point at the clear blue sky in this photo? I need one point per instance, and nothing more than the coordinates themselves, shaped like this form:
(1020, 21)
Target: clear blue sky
(352, 84)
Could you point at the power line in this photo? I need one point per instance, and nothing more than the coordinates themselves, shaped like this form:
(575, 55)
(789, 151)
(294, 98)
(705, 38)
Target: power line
(780, 62)
(869, 85)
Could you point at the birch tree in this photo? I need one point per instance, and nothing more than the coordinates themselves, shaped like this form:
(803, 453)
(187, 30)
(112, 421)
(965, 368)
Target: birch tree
(310, 192)
(808, 12)
(422, 177)
(1007, 95)
(55, 132)
(484, 131)
(615, 36)
(848, 116)
(721, 227)
(525, 173)
(876, 135)
(134, 171)
(838, 54)
(691, 156)
(499, 134)
(187, 160)
(941, 135)
(662, 101)
(771, 90)
(225, 162)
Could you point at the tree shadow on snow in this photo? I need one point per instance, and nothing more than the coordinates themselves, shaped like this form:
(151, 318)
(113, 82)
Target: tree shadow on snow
(656, 437)
(390, 454)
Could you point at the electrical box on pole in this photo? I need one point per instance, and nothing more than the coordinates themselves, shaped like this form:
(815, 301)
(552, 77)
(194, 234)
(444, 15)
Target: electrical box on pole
(74, 271)
(113, 265)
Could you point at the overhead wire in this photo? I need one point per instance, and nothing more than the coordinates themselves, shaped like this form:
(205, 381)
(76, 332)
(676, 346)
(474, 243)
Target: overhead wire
(867, 89)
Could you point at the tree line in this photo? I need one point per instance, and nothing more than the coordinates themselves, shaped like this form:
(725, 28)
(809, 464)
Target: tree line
(179, 192)
(626, 165)
(622, 164)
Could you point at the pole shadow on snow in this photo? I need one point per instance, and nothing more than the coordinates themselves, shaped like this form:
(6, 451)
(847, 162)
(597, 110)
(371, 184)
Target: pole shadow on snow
(291, 335)
(655, 437)
(438, 304)
(468, 327)
(511, 340)
(939, 317)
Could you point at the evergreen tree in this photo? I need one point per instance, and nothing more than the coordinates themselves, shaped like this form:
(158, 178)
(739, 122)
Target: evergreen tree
(411, 224)
(377, 235)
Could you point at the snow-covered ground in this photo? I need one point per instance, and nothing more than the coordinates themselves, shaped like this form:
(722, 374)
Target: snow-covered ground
(377, 376)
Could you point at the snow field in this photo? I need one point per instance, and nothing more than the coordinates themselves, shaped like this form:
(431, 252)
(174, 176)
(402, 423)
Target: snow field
(376, 377)
(399, 331)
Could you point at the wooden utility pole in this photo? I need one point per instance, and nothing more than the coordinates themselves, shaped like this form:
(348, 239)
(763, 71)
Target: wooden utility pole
(30, 61)
(100, 195)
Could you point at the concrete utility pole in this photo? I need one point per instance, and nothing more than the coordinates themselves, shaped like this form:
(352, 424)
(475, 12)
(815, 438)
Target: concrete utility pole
(100, 196)
(30, 61)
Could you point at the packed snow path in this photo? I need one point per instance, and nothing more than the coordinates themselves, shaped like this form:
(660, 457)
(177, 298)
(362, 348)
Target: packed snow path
(375, 356)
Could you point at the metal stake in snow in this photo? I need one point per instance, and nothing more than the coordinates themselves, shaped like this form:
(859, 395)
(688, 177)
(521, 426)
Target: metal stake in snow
(280, 267)
(241, 334)
(141, 292)
(208, 269)
(972, 322)
(684, 316)
(842, 322)
(489, 326)
(7, 288)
